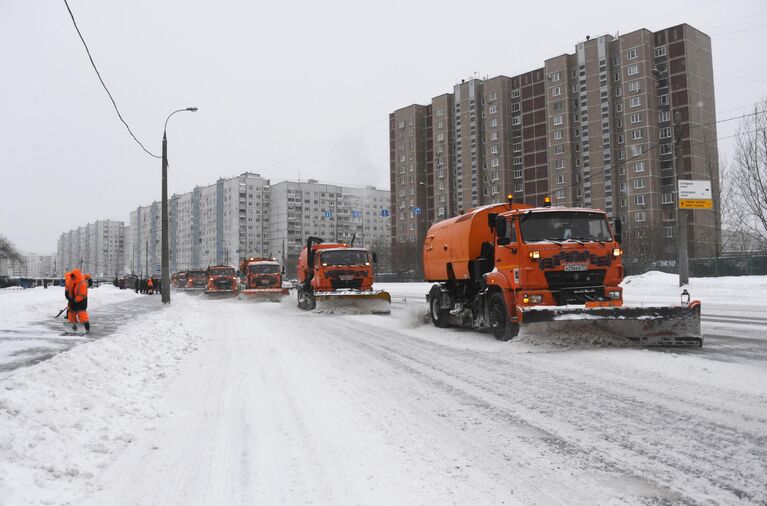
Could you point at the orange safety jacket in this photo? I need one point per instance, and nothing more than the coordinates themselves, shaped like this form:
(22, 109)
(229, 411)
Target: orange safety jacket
(77, 290)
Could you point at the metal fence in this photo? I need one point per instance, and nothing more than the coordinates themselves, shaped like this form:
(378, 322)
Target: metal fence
(752, 264)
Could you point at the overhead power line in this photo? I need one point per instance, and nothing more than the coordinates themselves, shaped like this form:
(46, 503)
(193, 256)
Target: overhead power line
(93, 64)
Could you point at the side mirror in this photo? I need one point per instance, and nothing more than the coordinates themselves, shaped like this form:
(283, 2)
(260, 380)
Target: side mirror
(491, 217)
(375, 257)
(503, 240)
(500, 227)
(618, 230)
(282, 270)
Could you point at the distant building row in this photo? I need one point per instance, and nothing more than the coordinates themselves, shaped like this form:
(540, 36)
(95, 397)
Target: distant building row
(230, 219)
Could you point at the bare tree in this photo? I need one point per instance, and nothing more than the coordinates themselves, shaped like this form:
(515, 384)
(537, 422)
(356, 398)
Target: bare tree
(8, 251)
(749, 171)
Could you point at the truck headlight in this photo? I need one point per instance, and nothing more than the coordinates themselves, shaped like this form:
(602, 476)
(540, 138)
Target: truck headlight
(535, 254)
(614, 294)
(536, 299)
(526, 299)
(617, 252)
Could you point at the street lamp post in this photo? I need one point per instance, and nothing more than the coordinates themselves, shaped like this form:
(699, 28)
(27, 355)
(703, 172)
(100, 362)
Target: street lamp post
(165, 253)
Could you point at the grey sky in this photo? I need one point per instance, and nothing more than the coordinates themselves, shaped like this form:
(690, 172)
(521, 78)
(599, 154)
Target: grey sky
(282, 87)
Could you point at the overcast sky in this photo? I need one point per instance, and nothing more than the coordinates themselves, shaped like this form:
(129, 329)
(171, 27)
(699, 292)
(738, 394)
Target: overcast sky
(284, 88)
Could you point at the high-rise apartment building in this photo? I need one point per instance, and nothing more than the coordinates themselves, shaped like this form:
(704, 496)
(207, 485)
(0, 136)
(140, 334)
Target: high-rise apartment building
(97, 248)
(303, 209)
(595, 128)
(214, 224)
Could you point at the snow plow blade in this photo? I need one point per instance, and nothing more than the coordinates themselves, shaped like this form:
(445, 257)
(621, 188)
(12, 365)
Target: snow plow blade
(671, 326)
(219, 294)
(264, 294)
(354, 301)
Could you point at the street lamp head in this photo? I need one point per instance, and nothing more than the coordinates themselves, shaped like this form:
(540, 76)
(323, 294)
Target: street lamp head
(193, 109)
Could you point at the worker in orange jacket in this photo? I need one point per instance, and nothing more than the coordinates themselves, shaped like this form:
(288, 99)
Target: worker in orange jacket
(77, 297)
(149, 286)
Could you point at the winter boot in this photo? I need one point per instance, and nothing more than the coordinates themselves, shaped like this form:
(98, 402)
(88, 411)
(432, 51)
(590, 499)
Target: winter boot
(87, 327)
(74, 326)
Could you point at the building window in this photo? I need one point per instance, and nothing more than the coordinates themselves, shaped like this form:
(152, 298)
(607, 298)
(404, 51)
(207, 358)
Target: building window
(518, 187)
(640, 217)
(559, 149)
(631, 54)
(518, 174)
(619, 107)
(440, 137)
(620, 138)
(665, 132)
(494, 122)
(632, 70)
(493, 109)
(559, 164)
(515, 107)
(665, 149)
(636, 150)
(557, 120)
(493, 136)
(660, 51)
(440, 111)
(514, 93)
(639, 167)
(636, 118)
(516, 120)
(634, 86)
(561, 179)
(557, 135)
(556, 91)
(668, 198)
(555, 76)
(516, 147)
(635, 102)
(492, 96)
(639, 183)
(639, 200)
(618, 92)
(636, 134)
(517, 160)
(494, 149)
(663, 100)
(495, 162)
(560, 194)
(664, 116)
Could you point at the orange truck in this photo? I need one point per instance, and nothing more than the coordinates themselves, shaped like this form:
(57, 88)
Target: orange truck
(221, 280)
(336, 276)
(546, 269)
(195, 281)
(263, 279)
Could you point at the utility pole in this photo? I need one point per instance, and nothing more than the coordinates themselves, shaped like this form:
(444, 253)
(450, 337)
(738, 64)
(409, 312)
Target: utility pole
(682, 258)
(146, 259)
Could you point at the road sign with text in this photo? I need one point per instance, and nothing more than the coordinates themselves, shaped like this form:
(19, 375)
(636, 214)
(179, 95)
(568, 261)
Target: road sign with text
(695, 194)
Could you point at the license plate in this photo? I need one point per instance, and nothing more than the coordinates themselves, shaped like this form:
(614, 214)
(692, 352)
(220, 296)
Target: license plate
(346, 277)
(576, 267)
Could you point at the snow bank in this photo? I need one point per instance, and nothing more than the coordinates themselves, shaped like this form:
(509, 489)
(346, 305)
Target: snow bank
(64, 419)
(36, 304)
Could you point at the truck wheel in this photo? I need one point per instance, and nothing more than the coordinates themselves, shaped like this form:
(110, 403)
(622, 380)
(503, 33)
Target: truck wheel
(439, 316)
(503, 329)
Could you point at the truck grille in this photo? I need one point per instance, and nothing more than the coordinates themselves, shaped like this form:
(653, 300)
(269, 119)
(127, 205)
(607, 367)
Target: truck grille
(575, 257)
(265, 281)
(222, 283)
(351, 283)
(563, 279)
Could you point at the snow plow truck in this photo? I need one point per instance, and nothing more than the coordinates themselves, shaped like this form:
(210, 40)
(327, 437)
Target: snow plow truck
(195, 281)
(547, 270)
(221, 281)
(263, 279)
(338, 276)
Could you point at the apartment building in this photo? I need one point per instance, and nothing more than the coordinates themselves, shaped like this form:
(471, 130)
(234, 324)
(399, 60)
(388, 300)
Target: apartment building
(302, 209)
(97, 248)
(594, 128)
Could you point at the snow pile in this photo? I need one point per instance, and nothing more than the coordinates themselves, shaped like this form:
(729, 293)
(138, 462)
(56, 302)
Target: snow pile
(64, 419)
(36, 304)
(660, 288)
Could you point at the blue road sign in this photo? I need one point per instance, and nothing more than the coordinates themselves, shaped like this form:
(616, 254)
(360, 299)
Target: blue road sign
(328, 214)
(417, 211)
(384, 212)
(356, 214)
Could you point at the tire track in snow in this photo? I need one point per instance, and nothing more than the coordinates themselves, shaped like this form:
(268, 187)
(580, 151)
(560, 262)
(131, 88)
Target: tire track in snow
(634, 415)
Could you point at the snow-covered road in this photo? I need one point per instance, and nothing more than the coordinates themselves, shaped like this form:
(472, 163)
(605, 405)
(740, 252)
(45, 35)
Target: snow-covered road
(227, 402)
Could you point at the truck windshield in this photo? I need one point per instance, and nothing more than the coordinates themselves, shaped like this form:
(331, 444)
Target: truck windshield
(196, 274)
(344, 257)
(263, 269)
(222, 271)
(563, 226)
